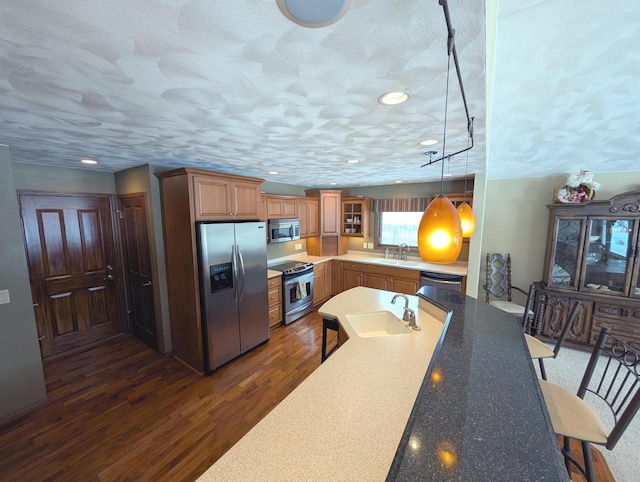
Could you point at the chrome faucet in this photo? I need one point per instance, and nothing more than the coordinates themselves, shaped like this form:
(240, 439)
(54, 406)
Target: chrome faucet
(409, 315)
(403, 249)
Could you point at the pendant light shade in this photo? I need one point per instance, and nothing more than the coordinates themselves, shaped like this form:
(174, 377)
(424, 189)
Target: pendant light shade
(440, 232)
(467, 219)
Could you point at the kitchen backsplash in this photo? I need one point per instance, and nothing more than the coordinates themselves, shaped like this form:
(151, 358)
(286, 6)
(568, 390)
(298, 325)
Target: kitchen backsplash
(279, 250)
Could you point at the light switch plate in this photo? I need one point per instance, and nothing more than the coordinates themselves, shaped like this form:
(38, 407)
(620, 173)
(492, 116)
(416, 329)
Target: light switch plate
(4, 297)
(364, 245)
(370, 245)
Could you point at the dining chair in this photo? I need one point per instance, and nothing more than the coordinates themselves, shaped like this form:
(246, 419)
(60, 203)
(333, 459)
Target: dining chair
(612, 378)
(498, 284)
(550, 316)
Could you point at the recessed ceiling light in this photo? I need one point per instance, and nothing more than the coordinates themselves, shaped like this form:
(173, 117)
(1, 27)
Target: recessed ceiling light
(88, 161)
(447, 174)
(353, 161)
(333, 183)
(393, 98)
(428, 142)
(398, 182)
(273, 172)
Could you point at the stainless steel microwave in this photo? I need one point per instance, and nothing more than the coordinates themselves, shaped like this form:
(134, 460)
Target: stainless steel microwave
(281, 230)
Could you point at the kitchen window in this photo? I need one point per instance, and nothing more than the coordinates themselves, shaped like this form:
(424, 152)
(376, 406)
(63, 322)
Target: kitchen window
(395, 228)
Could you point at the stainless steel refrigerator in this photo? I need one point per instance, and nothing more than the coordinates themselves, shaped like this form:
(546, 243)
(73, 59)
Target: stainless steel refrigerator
(233, 289)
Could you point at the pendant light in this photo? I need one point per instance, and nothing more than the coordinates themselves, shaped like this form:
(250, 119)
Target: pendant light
(440, 231)
(467, 218)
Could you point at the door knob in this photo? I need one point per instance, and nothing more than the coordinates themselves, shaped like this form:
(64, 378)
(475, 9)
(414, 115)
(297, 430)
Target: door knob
(148, 283)
(109, 278)
(109, 267)
(40, 338)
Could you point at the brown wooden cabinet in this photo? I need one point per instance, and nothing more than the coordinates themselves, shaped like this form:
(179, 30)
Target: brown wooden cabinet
(398, 280)
(279, 207)
(274, 286)
(329, 242)
(190, 195)
(223, 197)
(352, 274)
(336, 277)
(322, 282)
(355, 216)
(308, 215)
(593, 254)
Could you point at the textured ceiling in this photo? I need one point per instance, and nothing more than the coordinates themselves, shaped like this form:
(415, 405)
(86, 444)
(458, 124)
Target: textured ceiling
(565, 92)
(235, 86)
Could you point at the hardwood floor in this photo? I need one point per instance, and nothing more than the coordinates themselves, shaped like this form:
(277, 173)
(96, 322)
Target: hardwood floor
(600, 467)
(122, 412)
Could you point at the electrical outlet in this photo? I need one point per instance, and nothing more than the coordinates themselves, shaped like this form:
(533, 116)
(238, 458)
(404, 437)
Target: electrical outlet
(4, 297)
(370, 245)
(298, 246)
(364, 245)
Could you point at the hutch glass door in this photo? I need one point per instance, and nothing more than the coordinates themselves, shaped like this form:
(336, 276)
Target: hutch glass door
(608, 255)
(567, 252)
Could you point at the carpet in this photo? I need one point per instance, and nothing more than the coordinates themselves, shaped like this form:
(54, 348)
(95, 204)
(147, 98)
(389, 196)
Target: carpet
(567, 371)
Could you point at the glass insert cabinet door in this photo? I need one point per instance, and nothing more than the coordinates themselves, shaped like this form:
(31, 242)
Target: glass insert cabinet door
(608, 256)
(567, 252)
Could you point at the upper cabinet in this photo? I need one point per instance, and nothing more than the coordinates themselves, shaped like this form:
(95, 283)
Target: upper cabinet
(222, 197)
(593, 254)
(355, 216)
(279, 207)
(329, 241)
(308, 215)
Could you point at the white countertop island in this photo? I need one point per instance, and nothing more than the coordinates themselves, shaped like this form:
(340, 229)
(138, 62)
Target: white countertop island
(345, 421)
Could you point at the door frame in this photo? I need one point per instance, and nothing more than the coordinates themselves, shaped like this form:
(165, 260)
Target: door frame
(154, 269)
(120, 291)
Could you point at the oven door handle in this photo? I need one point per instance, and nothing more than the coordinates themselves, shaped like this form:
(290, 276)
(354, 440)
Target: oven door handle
(294, 281)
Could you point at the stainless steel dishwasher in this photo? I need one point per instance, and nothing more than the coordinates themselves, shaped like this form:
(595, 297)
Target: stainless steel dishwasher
(445, 281)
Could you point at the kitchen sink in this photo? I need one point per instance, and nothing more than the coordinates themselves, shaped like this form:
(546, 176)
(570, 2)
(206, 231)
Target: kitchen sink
(395, 262)
(377, 323)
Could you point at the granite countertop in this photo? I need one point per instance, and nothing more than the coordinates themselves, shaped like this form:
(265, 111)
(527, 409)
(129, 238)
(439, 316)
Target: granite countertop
(480, 414)
(457, 268)
(272, 273)
(387, 408)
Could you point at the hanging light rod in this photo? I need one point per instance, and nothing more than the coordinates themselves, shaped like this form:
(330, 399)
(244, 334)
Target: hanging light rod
(451, 49)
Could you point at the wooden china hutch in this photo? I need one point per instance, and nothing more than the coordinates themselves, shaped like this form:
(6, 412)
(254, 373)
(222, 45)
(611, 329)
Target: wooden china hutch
(593, 254)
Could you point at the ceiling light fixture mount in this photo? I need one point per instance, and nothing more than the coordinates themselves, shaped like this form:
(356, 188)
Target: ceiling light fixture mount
(88, 161)
(314, 14)
(353, 161)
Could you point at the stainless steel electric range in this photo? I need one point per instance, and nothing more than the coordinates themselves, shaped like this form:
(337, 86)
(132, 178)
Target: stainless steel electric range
(297, 283)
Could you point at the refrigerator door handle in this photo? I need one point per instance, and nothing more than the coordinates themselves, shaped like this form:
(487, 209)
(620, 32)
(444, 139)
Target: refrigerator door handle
(235, 273)
(242, 268)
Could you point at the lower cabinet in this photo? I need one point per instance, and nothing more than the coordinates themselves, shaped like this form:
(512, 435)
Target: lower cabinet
(321, 282)
(399, 280)
(351, 275)
(274, 286)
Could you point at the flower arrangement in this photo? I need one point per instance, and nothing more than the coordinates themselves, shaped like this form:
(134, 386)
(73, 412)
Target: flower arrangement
(580, 187)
